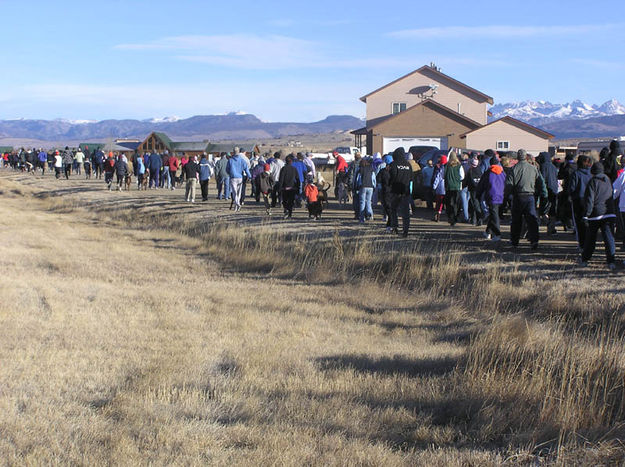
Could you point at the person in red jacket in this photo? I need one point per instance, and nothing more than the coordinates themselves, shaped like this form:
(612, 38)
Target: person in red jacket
(174, 163)
(311, 192)
(341, 172)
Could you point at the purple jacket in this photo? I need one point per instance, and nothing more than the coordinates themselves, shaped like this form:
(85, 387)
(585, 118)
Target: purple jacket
(492, 185)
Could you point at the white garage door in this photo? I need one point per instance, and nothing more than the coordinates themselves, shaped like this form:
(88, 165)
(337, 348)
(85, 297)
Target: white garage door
(390, 144)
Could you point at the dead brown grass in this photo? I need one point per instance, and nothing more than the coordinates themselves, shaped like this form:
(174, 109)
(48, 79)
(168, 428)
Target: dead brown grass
(189, 342)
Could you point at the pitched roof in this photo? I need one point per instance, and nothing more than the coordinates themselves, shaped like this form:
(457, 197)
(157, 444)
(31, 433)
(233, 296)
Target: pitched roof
(518, 124)
(440, 75)
(429, 103)
(164, 138)
(189, 145)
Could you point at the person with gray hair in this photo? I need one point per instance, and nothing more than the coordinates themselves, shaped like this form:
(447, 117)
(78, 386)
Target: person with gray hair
(523, 181)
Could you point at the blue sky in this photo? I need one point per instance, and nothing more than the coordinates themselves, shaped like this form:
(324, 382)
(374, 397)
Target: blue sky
(291, 61)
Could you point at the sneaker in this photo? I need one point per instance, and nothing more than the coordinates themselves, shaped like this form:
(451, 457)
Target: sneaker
(496, 238)
(486, 235)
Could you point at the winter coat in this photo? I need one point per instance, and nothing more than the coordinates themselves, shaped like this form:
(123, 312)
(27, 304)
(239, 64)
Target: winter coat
(577, 184)
(598, 199)
(523, 179)
(492, 185)
(301, 170)
(238, 167)
(565, 173)
(619, 191)
(473, 178)
(155, 163)
(206, 171)
(438, 181)
(289, 178)
(68, 157)
(400, 173)
(140, 166)
(276, 167)
(610, 164)
(265, 183)
(173, 163)
(221, 168)
(548, 171)
(311, 192)
(365, 178)
(121, 169)
(453, 177)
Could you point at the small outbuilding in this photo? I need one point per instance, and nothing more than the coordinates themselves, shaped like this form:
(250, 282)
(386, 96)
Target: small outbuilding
(160, 142)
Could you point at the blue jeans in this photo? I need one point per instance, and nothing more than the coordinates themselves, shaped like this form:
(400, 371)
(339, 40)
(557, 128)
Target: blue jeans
(165, 181)
(464, 194)
(364, 197)
(607, 232)
(223, 188)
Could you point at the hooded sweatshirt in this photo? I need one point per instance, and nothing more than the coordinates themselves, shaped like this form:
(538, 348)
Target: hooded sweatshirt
(609, 164)
(599, 199)
(548, 171)
(577, 184)
(400, 173)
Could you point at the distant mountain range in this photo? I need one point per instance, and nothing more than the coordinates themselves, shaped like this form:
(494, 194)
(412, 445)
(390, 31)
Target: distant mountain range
(572, 120)
(232, 126)
(541, 112)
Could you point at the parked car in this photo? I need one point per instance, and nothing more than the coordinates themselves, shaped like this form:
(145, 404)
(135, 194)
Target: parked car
(418, 151)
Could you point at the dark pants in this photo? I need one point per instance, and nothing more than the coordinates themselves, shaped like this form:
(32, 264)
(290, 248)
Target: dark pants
(401, 204)
(154, 178)
(385, 199)
(315, 209)
(275, 196)
(266, 201)
(120, 180)
(453, 205)
(492, 227)
(98, 170)
(476, 208)
(579, 226)
(356, 204)
(524, 207)
(68, 170)
(204, 188)
(607, 231)
(288, 200)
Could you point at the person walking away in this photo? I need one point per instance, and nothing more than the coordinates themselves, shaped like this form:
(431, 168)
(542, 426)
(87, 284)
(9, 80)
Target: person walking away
(576, 185)
(311, 193)
(599, 215)
(414, 191)
(384, 181)
(523, 181)
(68, 160)
(173, 164)
(140, 172)
(276, 167)
(191, 173)
(223, 179)
(340, 174)
(473, 178)
(491, 187)
(206, 172)
(155, 164)
(610, 163)
(256, 172)
(165, 178)
(43, 161)
(550, 176)
(289, 186)
(87, 167)
(426, 179)
(438, 187)
(400, 178)
(184, 160)
(464, 188)
(619, 194)
(352, 174)
(265, 186)
(365, 183)
(109, 170)
(302, 170)
(79, 157)
(99, 162)
(237, 169)
(58, 165)
(121, 170)
(454, 174)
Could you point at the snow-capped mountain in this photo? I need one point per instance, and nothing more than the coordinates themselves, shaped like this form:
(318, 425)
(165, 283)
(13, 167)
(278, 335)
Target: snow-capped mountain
(545, 112)
(171, 119)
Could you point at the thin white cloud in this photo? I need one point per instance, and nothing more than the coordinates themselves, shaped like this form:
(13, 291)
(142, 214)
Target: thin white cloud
(501, 31)
(594, 63)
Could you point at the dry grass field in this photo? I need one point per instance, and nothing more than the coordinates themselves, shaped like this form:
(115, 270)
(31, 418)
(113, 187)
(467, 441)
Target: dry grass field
(137, 329)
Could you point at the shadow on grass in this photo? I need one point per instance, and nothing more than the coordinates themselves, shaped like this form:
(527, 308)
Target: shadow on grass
(396, 365)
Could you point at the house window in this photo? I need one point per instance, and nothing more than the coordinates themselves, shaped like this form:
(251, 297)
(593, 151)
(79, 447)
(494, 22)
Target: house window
(398, 107)
(503, 145)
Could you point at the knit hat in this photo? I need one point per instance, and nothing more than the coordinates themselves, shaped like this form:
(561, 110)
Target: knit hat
(443, 160)
(388, 159)
(267, 168)
(597, 168)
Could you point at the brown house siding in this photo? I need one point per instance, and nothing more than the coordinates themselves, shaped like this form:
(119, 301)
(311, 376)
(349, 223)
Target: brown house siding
(420, 121)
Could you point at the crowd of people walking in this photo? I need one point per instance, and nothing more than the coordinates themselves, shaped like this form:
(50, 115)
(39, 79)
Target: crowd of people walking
(579, 195)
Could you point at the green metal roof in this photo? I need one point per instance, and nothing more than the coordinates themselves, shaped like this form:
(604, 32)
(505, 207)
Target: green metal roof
(164, 138)
(91, 146)
(4, 149)
(189, 145)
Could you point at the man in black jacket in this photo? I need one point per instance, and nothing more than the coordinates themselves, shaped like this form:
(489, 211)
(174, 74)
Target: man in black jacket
(550, 174)
(289, 186)
(400, 174)
(599, 214)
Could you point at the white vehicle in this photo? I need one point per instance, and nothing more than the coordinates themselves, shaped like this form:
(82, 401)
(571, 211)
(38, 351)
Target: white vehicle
(348, 153)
